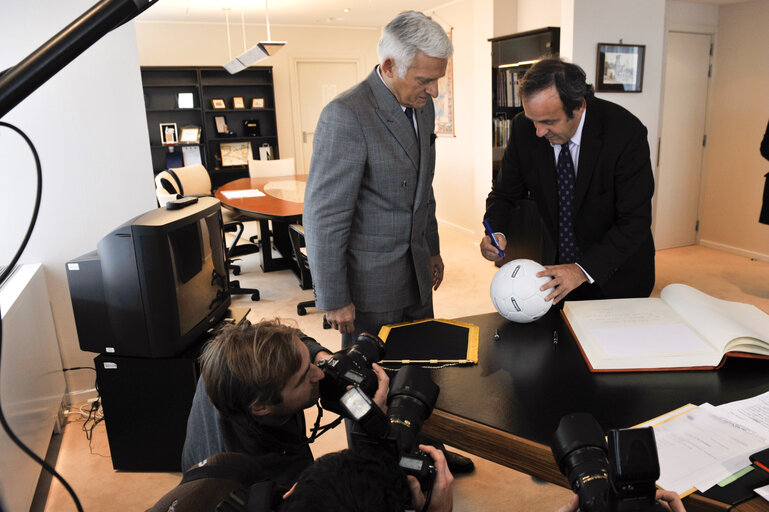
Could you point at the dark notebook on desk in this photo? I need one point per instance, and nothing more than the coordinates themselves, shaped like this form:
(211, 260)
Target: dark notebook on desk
(430, 342)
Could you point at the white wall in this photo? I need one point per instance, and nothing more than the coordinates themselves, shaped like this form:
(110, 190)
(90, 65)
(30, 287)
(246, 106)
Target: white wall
(89, 128)
(734, 168)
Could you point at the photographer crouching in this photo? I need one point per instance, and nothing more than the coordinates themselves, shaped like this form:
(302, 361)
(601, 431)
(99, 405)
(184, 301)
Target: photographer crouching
(256, 380)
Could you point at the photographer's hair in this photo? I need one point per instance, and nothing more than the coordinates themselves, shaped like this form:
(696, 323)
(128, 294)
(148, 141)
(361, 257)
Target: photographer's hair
(249, 364)
(569, 79)
(409, 32)
(350, 481)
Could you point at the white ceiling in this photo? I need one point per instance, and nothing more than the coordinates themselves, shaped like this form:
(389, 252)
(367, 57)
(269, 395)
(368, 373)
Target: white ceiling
(362, 13)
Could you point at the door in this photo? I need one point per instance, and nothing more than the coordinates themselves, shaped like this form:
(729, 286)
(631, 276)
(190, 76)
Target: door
(682, 139)
(318, 82)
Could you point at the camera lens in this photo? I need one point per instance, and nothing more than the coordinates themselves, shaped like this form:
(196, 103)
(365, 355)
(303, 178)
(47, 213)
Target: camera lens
(411, 400)
(370, 347)
(579, 449)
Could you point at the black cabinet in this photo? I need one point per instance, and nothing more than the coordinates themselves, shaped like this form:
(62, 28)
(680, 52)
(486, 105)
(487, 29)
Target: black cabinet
(235, 114)
(511, 56)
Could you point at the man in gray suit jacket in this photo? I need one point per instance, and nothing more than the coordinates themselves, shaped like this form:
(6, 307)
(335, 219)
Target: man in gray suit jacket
(369, 210)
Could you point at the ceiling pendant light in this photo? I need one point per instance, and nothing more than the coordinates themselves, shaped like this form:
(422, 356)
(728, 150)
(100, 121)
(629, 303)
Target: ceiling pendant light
(261, 50)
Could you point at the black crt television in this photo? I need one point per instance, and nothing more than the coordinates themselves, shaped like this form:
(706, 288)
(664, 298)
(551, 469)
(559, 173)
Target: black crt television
(154, 285)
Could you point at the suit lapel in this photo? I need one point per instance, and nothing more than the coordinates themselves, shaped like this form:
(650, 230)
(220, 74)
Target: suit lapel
(590, 148)
(391, 114)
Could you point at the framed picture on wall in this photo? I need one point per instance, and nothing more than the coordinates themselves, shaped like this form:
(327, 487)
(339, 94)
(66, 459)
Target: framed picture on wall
(257, 103)
(620, 67)
(237, 102)
(218, 104)
(168, 134)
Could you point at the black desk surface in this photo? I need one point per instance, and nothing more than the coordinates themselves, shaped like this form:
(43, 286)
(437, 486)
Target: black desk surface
(523, 384)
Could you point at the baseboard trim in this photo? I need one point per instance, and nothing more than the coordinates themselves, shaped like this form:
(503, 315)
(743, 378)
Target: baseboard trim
(735, 250)
(80, 396)
(456, 227)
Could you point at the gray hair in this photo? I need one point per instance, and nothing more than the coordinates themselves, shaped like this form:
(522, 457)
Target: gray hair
(409, 32)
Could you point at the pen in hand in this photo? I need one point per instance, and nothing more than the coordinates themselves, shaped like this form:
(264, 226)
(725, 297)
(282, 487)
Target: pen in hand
(489, 232)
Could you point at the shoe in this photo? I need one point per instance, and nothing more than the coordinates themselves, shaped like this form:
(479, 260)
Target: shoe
(458, 464)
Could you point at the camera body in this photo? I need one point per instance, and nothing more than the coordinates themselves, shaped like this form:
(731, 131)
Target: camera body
(616, 477)
(350, 367)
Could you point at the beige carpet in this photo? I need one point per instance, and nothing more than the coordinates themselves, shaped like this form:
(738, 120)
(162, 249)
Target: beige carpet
(464, 292)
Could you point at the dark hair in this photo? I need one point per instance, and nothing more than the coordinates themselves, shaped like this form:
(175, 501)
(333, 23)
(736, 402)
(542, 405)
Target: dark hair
(569, 79)
(249, 364)
(351, 481)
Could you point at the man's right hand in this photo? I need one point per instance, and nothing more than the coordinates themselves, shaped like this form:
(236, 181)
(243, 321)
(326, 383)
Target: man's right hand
(442, 499)
(342, 319)
(489, 251)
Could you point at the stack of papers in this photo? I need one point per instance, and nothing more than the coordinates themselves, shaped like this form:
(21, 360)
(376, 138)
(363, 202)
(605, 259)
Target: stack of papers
(700, 446)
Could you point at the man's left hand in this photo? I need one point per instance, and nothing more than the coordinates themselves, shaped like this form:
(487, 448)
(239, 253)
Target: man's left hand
(383, 387)
(436, 266)
(565, 279)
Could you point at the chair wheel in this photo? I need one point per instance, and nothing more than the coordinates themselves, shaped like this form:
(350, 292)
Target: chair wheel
(235, 284)
(255, 296)
(301, 310)
(236, 271)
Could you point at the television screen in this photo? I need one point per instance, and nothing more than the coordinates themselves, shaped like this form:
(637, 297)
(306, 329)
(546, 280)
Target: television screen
(154, 285)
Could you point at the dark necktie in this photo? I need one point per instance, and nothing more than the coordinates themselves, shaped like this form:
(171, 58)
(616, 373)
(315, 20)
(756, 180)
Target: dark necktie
(568, 252)
(410, 114)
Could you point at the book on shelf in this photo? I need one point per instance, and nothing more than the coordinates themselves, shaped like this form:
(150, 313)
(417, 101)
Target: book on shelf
(683, 329)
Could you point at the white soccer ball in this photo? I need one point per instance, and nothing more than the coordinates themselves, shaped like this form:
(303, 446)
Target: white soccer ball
(515, 291)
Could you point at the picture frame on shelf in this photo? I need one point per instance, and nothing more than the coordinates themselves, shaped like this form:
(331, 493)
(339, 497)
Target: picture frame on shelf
(620, 67)
(257, 102)
(185, 100)
(235, 153)
(168, 134)
(190, 135)
(218, 104)
(238, 102)
(222, 128)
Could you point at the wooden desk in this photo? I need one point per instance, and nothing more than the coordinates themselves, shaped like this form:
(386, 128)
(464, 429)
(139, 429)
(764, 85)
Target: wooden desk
(506, 408)
(281, 204)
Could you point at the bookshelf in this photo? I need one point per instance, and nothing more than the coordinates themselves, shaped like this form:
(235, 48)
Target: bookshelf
(251, 123)
(511, 56)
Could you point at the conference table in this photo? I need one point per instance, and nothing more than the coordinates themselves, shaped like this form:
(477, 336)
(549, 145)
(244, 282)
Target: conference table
(506, 408)
(278, 200)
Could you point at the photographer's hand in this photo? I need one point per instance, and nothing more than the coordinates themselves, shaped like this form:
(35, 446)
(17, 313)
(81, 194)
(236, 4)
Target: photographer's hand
(671, 500)
(442, 499)
(572, 506)
(383, 387)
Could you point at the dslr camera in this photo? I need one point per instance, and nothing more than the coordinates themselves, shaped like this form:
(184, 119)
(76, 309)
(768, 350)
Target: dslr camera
(617, 477)
(410, 401)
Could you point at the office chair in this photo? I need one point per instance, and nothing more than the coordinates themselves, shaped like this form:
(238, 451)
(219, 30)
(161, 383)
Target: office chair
(296, 235)
(193, 180)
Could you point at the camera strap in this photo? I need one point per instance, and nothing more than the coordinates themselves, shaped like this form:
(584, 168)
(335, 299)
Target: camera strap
(317, 429)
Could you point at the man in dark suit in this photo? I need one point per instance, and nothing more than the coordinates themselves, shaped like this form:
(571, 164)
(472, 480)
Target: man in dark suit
(597, 242)
(369, 209)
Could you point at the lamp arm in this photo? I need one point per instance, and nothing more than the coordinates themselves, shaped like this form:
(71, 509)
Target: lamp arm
(21, 80)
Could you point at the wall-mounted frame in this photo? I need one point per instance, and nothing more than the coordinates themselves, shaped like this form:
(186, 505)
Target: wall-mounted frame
(620, 67)
(218, 103)
(238, 102)
(235, 153)
(168, 134)
(190, 135)
(257, 103)
(444, 103)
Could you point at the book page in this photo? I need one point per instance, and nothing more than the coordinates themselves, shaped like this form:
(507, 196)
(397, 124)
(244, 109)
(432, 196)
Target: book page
(620, 334)
(719, 321)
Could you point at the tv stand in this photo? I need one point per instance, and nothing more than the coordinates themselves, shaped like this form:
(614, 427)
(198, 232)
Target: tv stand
(146, 402)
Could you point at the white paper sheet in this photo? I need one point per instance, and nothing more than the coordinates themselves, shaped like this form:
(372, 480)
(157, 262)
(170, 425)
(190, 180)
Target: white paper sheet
(699, 449)
(239, 194)
(649, 340)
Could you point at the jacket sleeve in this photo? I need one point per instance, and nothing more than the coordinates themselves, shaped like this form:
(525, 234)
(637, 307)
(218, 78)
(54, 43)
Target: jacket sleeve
(336, 171)
(765, 144)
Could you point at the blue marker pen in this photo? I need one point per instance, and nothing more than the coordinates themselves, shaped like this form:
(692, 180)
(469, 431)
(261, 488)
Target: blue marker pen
(493, 238)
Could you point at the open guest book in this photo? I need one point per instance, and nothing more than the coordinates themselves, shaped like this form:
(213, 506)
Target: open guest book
(683, 329)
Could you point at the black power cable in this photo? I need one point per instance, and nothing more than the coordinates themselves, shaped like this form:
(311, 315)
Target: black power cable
(3, 276)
